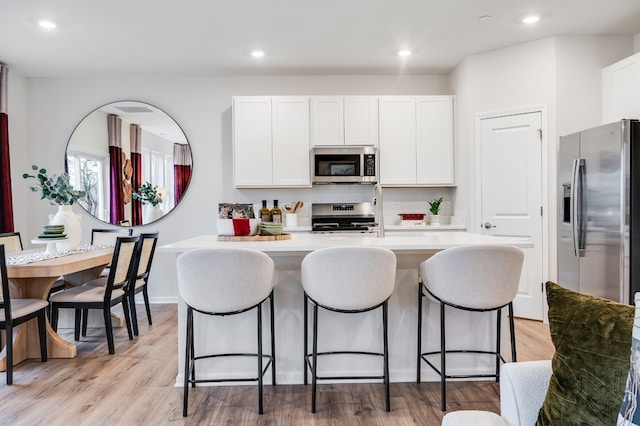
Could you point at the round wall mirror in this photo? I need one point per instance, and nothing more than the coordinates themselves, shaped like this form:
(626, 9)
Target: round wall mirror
(133, 161)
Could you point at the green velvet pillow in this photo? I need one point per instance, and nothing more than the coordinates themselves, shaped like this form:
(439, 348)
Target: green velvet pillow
(592, 337)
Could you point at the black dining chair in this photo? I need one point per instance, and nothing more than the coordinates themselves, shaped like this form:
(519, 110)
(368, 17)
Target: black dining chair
(14, 312)
(102, 297)
(12, 241)
(140, 285)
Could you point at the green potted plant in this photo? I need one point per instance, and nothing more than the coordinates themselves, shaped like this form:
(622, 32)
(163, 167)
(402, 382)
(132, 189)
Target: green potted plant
(434, 209)
(59, 191)
(150, 194)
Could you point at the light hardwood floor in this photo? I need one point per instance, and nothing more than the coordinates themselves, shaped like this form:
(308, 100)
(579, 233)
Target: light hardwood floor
(136, 387)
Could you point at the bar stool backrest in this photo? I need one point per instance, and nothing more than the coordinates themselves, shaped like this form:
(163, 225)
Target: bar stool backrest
(478, 277)
(224, 280)
(349, 278)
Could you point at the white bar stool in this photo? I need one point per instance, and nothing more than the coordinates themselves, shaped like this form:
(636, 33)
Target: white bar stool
(226, 282)
(347, 280)
(478, 278)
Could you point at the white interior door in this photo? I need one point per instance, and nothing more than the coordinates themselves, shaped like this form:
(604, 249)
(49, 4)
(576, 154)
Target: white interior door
(511, 196)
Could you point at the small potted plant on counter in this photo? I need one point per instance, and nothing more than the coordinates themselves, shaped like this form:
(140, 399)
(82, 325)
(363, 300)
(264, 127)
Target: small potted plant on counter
(434, 209)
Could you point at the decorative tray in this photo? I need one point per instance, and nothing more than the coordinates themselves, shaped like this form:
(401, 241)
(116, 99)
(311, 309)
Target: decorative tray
(254, 237)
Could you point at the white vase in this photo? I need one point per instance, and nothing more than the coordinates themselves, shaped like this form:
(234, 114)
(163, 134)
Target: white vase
(152, 213)
(435, 220)
(71, 221)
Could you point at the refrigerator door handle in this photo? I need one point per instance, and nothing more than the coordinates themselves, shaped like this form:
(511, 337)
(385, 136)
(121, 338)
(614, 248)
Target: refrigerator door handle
(577, 217)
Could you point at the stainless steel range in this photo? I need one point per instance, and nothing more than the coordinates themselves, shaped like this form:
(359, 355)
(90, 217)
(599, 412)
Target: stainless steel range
(342, 217)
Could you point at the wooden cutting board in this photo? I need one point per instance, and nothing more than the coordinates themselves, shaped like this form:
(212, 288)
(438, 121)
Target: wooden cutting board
(255, 237)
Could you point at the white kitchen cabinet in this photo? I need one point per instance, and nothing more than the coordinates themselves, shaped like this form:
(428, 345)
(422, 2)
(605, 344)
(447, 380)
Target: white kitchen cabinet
(290, 137)
(271, 142)
(397, 149)
(344, 120)
(361, 120)
(252, 164)
(416, 141)
(327, 120)
(621, 89)
(434, 144)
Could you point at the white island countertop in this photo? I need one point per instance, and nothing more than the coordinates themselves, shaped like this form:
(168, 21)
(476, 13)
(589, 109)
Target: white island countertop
(397, 241)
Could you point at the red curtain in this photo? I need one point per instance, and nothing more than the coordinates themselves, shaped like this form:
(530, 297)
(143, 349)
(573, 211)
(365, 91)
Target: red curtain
(6, 202)
(136, 178)
(116, 203)
(181, 170)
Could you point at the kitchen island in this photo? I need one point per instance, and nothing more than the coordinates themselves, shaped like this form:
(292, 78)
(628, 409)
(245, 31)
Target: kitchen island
(356, 332)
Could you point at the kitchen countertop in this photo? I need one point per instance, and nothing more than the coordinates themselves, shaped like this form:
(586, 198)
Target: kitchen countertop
(400, 241)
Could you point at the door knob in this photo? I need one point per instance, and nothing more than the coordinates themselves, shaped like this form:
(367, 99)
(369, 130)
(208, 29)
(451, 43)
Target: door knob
(488, 225)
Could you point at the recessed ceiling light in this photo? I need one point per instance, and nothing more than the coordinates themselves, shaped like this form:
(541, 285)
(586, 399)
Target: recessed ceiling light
(404, 53)
(49, 25)
(531, 19)
(257, 53)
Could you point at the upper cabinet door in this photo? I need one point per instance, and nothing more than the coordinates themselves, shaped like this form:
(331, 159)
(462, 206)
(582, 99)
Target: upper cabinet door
(252, 141)
(361, 120)
(327, 117)
(397, 152)
(290, 133)
(621, 90)
(435, 147)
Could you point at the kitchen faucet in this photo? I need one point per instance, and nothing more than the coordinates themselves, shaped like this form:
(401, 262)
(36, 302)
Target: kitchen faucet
(376, 200)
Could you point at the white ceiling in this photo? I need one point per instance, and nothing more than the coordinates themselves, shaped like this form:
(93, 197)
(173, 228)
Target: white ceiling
(215, 37)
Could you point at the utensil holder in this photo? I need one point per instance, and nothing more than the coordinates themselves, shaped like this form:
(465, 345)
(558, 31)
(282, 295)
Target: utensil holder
(291, 220)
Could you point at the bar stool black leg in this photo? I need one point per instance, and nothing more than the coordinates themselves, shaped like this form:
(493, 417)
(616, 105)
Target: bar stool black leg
(386, 356)
(260, 358)
(418, 370)
(315, 358)
(273, 341)
(443, 367)
(512, 330)
(306, 344)
(498, 343)
(187, 361)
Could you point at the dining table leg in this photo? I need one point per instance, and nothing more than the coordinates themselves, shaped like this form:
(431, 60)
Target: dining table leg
(26, 343)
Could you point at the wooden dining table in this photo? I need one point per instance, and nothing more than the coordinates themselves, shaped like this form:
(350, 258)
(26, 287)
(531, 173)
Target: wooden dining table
(33, 281)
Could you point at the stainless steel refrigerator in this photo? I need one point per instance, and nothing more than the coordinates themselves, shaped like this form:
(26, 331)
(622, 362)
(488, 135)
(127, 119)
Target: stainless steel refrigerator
(599, 211)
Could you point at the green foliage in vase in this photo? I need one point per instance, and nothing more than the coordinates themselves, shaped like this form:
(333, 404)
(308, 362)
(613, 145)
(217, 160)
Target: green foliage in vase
(434, 206)
(56, 189)
(148, 194)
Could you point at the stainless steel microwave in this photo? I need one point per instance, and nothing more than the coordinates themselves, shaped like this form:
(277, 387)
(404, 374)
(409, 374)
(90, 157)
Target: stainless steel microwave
(344, 164)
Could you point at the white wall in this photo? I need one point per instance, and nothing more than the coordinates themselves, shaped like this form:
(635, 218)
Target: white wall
(202, 107)
(19, 148)
(500, 80)
(561, 73)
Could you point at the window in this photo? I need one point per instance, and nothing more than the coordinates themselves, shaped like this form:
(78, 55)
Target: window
(87, 173)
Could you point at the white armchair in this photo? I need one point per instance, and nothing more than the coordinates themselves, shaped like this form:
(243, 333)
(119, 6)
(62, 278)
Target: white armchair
(523, 386)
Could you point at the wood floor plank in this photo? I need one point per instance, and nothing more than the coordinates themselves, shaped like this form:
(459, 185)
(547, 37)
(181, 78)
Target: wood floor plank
(136, 387)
